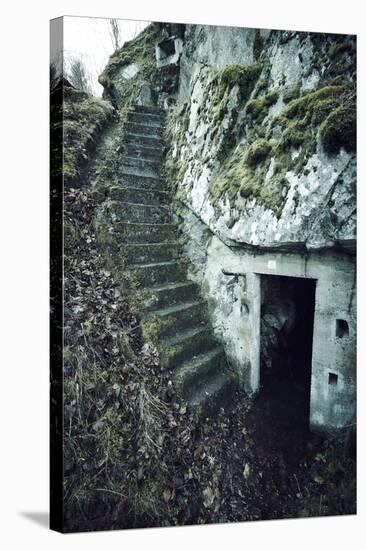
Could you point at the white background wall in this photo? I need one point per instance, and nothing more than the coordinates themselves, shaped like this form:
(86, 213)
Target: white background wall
(24, 273)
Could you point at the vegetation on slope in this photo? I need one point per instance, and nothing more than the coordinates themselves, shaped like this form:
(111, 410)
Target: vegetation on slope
(84, 118)
(139, 51)
(134, 456)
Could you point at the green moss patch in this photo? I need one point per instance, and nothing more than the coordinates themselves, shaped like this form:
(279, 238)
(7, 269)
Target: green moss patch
(241, 175)
(339, 130)
(329, 110)
(302, 117)
(242, 76)
(291, 94)
(258, 152)
(258, 108)
(337, 49)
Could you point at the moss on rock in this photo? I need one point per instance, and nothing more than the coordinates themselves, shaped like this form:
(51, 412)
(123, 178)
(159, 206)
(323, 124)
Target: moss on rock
(257, 152)
(302, 117)
(304, 106)
(291, 93)
(258, 108)
(238, 75)
(336, 49)
(84, 119)
(339, 130)
(123, 92)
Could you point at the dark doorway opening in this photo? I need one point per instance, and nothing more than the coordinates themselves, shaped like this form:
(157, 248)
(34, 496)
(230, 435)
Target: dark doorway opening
(287, 321)
(281, 411)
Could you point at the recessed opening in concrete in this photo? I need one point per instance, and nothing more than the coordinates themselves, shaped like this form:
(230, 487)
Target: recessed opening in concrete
(342, 329)
(287, 321)
(286, 337)
(333, 379)
(167, 47)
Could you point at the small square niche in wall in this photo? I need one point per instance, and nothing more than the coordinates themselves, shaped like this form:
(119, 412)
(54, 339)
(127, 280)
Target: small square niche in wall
(342, 329)
(333, 379)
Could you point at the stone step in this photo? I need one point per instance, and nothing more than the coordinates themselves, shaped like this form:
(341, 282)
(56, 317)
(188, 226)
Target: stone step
(214, 393)
(142, 139)
(132, 233)
(145, 129)
(157, 273)
(147, 109)
(141, 181)
(141, 213)
(141, 163)
(152, 119)
(191, 373)
(151, 252)
(175, 318)
(185, 345)
(138, 195)
(138, 172)
(144, 151)
(169, 294)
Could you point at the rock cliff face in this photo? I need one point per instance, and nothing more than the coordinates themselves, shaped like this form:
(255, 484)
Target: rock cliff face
(263, 136)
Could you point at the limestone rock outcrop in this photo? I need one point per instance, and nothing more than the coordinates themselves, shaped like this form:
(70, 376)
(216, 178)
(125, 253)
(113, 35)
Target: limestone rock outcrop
(263, 136)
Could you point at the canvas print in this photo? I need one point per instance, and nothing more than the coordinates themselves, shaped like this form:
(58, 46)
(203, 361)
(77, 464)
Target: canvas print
(203, 274)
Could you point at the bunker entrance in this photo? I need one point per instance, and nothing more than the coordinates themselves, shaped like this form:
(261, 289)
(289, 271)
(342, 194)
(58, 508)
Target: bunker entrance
(281, 411)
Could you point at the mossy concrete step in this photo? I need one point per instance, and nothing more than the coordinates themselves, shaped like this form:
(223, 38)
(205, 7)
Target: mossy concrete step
(185, 345)
(152, 274)
(212, 394)
(145, 109)
(152, 119)
(142, 213)
(170, 320)
(145, 129)
(141, 139)
(138, 195)
(141, 163)
(151, 252)
(144, 151)
(199, 369)
(170, 293)
(141, 181)
(138, 172)
(132, 233)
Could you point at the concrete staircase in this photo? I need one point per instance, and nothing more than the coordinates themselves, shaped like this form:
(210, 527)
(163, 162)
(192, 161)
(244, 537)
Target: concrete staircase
(173, 309)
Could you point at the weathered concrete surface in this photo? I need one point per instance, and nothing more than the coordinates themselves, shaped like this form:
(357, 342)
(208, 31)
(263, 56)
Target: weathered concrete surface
(231, 278)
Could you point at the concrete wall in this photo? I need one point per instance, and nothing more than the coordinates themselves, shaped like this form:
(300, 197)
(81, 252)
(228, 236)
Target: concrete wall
(231, 280)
